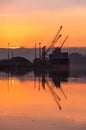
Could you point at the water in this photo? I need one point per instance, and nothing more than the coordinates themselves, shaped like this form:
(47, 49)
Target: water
(38, 101)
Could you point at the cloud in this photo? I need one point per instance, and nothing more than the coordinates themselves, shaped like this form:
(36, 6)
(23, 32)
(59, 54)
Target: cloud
(5, 2)
(39, 5)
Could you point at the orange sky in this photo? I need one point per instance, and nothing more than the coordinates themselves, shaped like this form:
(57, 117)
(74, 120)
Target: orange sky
(26, 23)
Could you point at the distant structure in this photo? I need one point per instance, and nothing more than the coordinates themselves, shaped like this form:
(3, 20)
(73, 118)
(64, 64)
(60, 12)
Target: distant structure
(57, 60)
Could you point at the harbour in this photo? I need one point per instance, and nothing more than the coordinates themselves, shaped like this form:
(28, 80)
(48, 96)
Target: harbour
(42, 65)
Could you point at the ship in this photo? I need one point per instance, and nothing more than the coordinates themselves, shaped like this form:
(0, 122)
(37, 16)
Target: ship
(56, 60)
(59, 60)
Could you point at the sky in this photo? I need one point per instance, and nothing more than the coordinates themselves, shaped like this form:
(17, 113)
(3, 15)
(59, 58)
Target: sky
(24, 23)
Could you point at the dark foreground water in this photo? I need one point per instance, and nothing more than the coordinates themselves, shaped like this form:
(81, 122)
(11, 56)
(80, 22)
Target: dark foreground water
(37, 101)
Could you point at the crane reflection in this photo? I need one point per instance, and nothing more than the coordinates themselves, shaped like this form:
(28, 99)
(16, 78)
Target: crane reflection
(52, 80)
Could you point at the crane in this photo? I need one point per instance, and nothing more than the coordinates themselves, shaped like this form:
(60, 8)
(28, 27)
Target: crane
(56, 38)
(52, 44)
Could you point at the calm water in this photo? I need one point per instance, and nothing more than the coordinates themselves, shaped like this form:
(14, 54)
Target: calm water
(42, 101)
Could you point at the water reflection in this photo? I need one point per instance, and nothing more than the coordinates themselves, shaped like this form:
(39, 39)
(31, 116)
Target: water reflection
(32, 101)
(52, 80)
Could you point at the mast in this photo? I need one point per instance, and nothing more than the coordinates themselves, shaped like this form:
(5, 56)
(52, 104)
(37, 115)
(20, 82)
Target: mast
(40, 50)
(8, 51)
(35, 51)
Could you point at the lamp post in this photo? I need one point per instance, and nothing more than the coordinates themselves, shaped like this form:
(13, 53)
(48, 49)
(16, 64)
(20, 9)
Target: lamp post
(40, 50)
(35, 52)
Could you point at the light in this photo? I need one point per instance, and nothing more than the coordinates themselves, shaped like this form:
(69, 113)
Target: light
(13, 47)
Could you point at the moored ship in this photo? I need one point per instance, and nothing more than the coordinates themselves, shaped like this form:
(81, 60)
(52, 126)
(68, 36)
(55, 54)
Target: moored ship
(59, 60)
(56, 60)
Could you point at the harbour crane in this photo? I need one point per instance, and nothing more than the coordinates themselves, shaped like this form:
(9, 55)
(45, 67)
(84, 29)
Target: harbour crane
(56, 38)
(53, 43)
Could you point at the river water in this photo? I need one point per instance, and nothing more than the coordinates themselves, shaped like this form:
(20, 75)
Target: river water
(40, 101)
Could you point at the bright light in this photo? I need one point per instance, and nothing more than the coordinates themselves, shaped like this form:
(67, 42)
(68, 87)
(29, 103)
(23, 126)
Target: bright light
(15, 47)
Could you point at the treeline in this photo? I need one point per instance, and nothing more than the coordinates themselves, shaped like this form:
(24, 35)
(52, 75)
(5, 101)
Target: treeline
(77, 65)
(77, 58)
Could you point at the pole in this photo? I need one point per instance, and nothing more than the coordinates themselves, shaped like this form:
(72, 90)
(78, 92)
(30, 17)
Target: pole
(40, 50)
(8, 51)
(35, 51)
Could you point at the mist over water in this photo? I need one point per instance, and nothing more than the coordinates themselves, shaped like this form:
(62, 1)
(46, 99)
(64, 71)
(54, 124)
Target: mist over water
(29, 53)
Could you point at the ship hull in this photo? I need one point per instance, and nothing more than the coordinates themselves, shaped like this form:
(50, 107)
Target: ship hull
(60, 68)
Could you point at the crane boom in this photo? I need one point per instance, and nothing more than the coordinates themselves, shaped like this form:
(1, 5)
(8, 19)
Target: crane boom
(55, 38)
(63, 41)
(52, 44)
